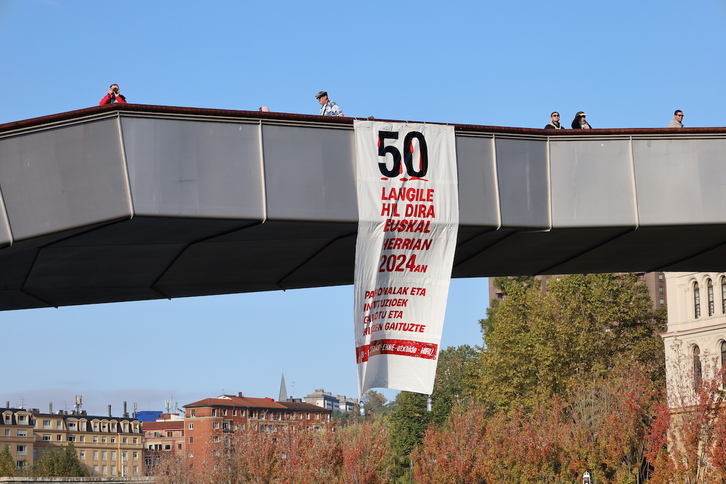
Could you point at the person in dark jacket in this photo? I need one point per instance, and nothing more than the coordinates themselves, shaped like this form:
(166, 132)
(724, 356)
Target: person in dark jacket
(555, 123)
(114, 96)
(580, 122)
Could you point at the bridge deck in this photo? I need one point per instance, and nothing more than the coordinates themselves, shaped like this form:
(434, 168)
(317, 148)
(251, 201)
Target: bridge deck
(133, 202)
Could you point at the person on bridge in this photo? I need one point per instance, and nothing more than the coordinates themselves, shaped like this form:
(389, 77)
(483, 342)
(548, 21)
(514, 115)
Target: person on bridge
(328, 107)
(555, 123)
(580, 121)
(677, 121)
(114, 96)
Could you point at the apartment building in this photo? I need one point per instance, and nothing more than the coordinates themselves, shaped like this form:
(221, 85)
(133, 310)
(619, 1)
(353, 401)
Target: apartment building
(208, 421)
(162, 437)
(108, 446)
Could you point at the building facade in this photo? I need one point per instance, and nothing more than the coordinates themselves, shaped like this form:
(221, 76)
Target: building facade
(162, 437)
(209, 423)
(108, 446)
(695, 342)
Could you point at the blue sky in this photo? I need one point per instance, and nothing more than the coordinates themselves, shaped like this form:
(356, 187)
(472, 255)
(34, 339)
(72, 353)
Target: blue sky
(506, 63)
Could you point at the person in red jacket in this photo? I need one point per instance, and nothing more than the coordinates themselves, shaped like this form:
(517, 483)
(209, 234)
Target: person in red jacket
(113, 96)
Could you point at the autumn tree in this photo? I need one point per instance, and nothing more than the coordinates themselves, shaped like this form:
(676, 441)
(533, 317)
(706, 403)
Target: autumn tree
(540, 343)
(688, 439)
(172, 469)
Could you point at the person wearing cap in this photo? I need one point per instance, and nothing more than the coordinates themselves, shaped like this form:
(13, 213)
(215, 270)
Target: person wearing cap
(555, 123)
(327, 107)
(677, 121)
(580, 121)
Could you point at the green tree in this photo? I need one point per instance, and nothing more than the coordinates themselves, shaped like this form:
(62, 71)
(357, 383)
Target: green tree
(373, 403)
(454, 365)
(540, 343)
(60, 462)
(7, 464)
(407, 424)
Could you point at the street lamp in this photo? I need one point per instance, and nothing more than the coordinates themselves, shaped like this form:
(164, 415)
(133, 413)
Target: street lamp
(586, 478)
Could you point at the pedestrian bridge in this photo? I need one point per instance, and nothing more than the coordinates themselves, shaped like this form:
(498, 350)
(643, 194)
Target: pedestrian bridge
(133, 202)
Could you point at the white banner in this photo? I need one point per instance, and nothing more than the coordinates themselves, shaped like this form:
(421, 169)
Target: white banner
(408, 207)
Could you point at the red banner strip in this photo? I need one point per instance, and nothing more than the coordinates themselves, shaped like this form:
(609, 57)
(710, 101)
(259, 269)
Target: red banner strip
(402, 347)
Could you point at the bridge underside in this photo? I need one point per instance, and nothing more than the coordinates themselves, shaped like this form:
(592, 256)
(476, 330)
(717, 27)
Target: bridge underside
(130, 202)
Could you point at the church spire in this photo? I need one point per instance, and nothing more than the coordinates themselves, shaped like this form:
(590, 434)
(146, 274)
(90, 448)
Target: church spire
(283, 390)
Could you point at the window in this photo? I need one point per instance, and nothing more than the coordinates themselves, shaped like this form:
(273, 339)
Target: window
(22, 419)
(193, 413)
(22, 450)
(191, 426)
(660, 276)
(136, 440)
(22, 433)
(113, 455)
(104, 470)
(125, 440)
(113, 470)
(71, 425)
(95, 439)
(696, 301)
(71, 438)
(46, 436)
(215, 425)
(697, 369)
(82, 454)
(709, 292)
(723, 360)
(59, 424)
(7, 432)
(104, 455)
(135, 456)
(95, 455)
(95, 470)
(113, 440)
(723, 294)
(59, 437)
(214, 412)
(103, 440)
(46, 424)
(224, 412)
(83, 438)
(169, 433)
(191, 440)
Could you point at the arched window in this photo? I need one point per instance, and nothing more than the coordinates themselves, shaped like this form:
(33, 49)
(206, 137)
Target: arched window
(697, 369)
(723, 361)
(711, 302)
(696, 301)
(723, 294)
